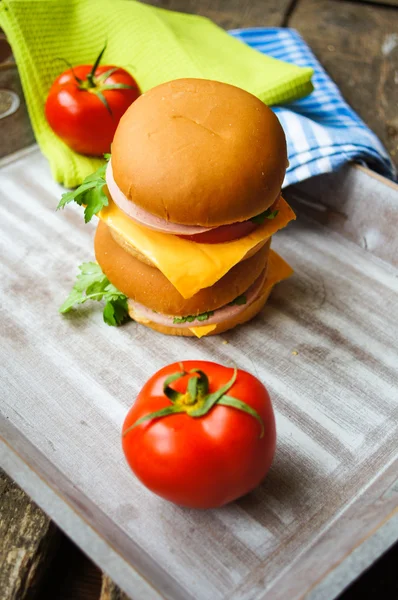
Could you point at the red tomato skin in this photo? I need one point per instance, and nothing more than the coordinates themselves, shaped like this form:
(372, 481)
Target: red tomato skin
(201, 462)
(79, 117)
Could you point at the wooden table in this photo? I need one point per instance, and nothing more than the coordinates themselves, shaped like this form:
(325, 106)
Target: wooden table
(357, 42)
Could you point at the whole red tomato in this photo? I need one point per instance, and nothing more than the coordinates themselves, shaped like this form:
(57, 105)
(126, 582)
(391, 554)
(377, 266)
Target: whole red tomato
(200, 461)
(85, 104)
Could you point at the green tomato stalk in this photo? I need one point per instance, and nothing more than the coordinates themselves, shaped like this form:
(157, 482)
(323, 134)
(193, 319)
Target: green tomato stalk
(97, 84)
(196, 400)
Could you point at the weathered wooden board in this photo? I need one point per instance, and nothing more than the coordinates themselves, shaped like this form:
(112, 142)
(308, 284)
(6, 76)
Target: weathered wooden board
(358, 46)
(29, 541)
(332, 200)
(325, 346)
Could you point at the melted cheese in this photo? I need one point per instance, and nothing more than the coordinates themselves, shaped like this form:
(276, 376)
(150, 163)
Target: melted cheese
(191, 266)
(278, 270)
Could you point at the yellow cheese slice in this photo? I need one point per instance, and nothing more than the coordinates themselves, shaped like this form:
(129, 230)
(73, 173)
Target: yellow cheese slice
(278, 270)
(202, 330)
(191, 266)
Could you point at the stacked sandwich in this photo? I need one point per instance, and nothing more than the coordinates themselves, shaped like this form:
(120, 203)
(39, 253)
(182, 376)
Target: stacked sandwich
(194, 196)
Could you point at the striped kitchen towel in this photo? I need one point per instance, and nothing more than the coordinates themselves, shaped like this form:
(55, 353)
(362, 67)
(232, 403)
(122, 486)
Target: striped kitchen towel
(322, 131)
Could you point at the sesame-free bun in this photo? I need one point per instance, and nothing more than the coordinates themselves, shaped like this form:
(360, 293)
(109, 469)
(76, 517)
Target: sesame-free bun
(199, 152)
(246, 315)
(148, 286)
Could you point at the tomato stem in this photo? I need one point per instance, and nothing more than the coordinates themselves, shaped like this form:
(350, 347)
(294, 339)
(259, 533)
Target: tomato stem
(90, 81)
(91, 75)
(97, 85)
(196, 400)
(68, 64)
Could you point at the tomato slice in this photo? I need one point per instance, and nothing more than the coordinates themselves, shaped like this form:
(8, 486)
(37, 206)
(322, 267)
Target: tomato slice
(224, 233)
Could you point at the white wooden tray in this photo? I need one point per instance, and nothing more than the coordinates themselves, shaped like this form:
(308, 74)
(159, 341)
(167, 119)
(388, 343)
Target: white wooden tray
(325, 346)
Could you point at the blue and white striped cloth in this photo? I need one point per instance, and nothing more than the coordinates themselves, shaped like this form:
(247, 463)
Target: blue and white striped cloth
(322, 131)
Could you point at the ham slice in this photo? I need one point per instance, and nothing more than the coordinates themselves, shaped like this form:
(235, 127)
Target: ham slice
(143, 314)
(144, 217)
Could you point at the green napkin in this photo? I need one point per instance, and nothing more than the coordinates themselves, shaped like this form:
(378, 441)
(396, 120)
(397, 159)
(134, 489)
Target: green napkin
(155, 45)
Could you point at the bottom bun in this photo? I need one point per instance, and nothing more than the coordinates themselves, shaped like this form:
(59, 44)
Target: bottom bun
(278, 270)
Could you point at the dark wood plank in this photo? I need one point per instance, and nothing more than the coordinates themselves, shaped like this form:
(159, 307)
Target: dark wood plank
(110, 591)
(28, 542)
(232, 13)
(382, 2)
(380, 581)
(358, 45)
(73, 576)
(16, 130)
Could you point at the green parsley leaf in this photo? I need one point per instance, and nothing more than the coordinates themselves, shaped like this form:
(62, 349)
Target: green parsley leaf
(239, 300)
(90, 193)
(97, 288)
(92, 284)
(191, 318)
(205, 316)
(179, 320)
(267, 214)
(115, 311)
(90, 272)
(112, 291)
(74, 298)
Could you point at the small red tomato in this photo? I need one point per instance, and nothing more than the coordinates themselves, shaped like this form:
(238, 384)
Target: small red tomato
(85, 104)
(200, 434)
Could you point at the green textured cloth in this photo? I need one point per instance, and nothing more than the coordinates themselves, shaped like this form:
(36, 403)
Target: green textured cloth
(155, 45)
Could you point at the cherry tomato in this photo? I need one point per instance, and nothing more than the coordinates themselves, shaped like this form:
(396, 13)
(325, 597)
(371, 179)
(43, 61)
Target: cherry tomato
(200, 461)
(224, 233)
(85, 104)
